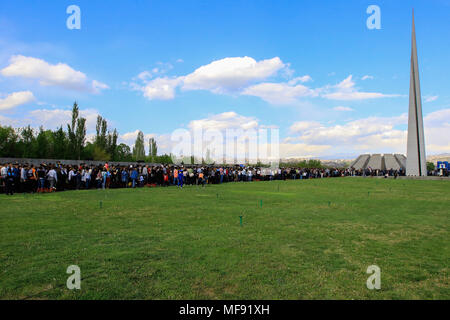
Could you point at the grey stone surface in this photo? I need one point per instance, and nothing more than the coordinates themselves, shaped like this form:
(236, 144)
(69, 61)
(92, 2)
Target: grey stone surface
(379, 162)
(360, 162)
(401, 160)
(375, 162)
(390, 162)
(415, 160)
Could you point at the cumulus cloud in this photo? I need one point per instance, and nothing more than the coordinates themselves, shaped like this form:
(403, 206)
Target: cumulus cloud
(347, 133)
(47, 74)
(373, 134)
(290, 93)
(16, 99)
(231, 74)
(302, 150)
(279, 93)
(161, 88)
(437, 128)
(223, 121)
(130, 137)
(228, 75)
(51, 118)
(346, 90)
(246, 76)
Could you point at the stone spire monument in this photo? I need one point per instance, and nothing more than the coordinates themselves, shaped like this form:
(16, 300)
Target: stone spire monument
(416, 164)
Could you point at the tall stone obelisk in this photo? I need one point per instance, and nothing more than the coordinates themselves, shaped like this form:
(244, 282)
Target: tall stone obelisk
(415, 159)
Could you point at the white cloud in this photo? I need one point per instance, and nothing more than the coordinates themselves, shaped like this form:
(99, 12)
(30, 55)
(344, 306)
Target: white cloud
(97, 86)
(342, 108)
(437, 129)
(162, 140)
(429, 98)
(51, 118)
(302, 150)
(279, 93)
(347, 133)
(301, 79)
(233, 120)
(366, 77)
(16, 99)
(231, 74)
(345, 90)
(130, 137)
(144, 75)
(47, 74)
(223, 121)
(301, 126)
(373, 134)
(227, 75)
(246, 76)
(161, 88)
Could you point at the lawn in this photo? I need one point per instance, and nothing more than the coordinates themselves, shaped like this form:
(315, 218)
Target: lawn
(311, 239)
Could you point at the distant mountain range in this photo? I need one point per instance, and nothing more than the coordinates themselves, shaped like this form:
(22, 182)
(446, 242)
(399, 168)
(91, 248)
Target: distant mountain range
(439, 157)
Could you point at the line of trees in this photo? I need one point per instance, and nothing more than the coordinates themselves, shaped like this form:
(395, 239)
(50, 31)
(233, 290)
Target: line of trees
(72, 144)
(310, 164)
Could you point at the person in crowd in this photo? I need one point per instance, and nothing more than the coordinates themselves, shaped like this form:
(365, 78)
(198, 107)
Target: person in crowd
(32, 179)
(180, 178)
(52, 178)
(124, 177)
(134, 176)
(175, 176)
(201, 180)
(9, 181)
(59, 177)
(41, 179)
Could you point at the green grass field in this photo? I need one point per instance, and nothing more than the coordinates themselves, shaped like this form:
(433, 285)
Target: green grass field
(309, 240)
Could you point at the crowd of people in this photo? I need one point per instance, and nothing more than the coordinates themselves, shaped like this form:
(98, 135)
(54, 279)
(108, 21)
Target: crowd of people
(59, 177)
(17, 178)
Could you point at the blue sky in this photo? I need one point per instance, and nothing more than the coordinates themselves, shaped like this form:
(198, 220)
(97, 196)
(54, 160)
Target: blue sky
(161, 65)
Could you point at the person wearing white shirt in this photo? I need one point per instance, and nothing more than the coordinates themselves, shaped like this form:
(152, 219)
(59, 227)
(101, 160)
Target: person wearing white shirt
(52, 178)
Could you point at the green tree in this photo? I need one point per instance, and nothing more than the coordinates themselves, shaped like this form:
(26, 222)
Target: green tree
(123, 152)
(60, 143)
(111, 145)
(100, 154)
(153, 149)
(430, 166)
(139, 149)
(44, 146)
(71, 130)
(77, 133)
(8, 142)
(27, 140)
(101, 136)
(80, 136)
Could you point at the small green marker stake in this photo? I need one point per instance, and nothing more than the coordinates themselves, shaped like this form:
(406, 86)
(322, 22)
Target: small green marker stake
(217, 195)
(240, 220)
(260, 203)
(101, 204)
(368, 193)
(329, 203)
